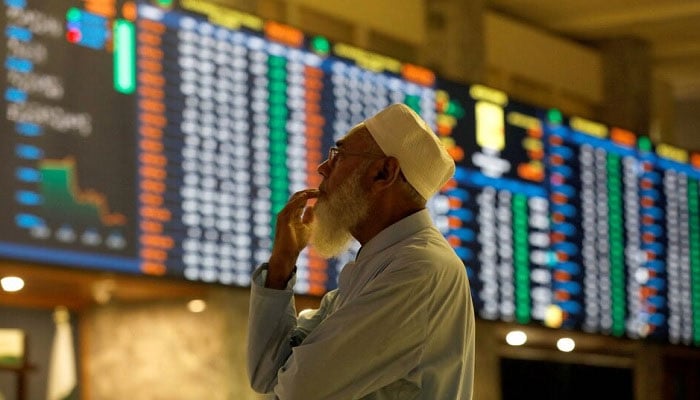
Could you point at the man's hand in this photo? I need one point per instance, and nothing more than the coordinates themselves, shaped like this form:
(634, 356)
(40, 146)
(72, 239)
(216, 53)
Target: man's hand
(291, 236)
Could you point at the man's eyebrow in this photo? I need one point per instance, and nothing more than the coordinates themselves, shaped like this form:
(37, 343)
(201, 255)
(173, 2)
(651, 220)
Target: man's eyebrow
(339, 143)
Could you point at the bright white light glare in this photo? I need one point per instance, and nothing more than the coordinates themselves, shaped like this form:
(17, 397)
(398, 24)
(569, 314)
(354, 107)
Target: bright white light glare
(566, 344)
(12, 283)
(197, 305)
(516, 338)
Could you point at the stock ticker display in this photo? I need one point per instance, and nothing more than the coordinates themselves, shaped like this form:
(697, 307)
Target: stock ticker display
(162, 137)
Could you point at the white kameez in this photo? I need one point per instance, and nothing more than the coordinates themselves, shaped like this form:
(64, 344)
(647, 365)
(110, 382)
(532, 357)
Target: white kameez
(399, 326)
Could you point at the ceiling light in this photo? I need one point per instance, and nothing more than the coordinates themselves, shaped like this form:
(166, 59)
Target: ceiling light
(197, 305)
(516, 338)
(566, 344)
(12, 283)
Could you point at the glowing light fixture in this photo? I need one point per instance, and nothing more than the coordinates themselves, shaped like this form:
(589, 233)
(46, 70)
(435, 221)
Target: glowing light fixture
(516, 338)
(197, 305)
(566, 344)
(12, 283)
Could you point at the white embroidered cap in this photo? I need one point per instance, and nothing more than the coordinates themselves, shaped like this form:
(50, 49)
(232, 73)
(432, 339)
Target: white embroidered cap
(424, 161)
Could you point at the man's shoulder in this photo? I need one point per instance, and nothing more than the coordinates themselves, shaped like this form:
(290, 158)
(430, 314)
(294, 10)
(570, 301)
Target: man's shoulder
(426, 251)
(427, 244)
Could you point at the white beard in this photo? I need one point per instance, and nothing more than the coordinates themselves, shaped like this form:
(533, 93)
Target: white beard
(336, 215)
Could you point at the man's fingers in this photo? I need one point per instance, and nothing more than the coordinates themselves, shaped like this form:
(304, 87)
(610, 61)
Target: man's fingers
(304, 195)
(308, 215)
(298, 200)
(294, 208)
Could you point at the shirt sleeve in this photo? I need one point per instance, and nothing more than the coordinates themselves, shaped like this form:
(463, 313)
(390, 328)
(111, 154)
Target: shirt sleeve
(271, 321)
(274, 329)
(366, 344)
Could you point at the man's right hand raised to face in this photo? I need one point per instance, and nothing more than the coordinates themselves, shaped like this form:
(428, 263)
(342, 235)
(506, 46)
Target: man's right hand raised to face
(292, 234)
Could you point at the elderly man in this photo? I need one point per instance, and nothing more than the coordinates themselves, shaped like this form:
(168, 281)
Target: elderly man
(401, 323)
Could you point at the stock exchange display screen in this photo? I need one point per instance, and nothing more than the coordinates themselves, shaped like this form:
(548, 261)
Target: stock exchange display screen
(162, 137)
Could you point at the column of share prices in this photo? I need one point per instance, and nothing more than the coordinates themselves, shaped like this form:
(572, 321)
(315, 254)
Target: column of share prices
(624, 233)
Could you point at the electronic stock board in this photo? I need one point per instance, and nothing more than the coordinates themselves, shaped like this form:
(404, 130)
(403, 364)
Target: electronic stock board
(161, 137)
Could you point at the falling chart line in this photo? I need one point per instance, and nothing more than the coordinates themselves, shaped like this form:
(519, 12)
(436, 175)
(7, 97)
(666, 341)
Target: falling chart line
(53, 205)
(62, 193)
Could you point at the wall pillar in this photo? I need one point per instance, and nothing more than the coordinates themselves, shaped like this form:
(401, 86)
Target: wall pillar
(454, 45)
(648, 372)
(627, 101)
(661, 128)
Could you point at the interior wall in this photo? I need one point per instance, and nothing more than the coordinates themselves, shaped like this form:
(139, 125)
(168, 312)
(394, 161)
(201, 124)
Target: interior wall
(686, 129)
(548, 71)
(160, 350)
(380, 16)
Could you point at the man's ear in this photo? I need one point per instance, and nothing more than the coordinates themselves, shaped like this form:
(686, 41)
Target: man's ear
(387, 172)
